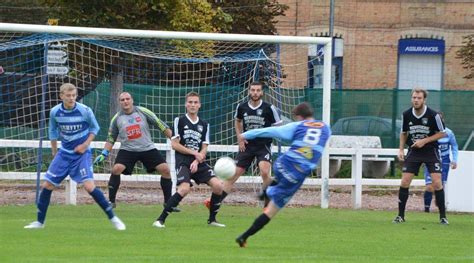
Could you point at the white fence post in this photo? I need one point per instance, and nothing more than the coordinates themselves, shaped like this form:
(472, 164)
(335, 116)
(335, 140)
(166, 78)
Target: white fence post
(356, 175)
(325, 180)
(170, 160)
(71, 192)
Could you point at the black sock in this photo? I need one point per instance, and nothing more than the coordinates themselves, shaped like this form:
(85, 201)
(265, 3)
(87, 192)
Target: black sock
(258, 224)
(402, 201)
(439, 195)
(166, 187)
(215, 205)
(223, 195)
(173, 202)
(114, 184)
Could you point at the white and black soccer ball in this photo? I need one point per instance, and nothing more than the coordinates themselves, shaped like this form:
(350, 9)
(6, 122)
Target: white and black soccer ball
(225, 168)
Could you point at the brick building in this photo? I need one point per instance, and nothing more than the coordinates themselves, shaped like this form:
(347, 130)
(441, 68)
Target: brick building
(381, 39)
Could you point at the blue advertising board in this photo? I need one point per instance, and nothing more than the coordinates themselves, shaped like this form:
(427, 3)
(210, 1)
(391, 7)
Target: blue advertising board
(421, 46)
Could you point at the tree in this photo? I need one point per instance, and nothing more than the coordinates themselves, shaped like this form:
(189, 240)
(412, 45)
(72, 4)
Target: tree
(252, 16)
(190, 15)
(466, 54)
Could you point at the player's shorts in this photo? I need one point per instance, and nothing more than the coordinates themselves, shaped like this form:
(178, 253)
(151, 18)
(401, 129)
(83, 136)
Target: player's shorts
(414, 159)
(245, 159)
(444, 174)
(289, 180)
(150, 160)
(202, 176)
(77, 166)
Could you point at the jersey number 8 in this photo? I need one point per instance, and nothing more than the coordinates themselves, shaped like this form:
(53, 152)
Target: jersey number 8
(312, 136)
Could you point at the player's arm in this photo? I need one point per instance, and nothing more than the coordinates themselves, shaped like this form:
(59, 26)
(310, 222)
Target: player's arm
(112, 135)
(176, 145)
(239, 128)
(403, 139)
(440, 133)
(181, 148)
(401, 147)
(205, 144)
(53, 132)
(454, 150)
(432, 138)
(82, 148)
(284, 132)
(276, 116)
(93, 131)
(155, 121)
(54, 147)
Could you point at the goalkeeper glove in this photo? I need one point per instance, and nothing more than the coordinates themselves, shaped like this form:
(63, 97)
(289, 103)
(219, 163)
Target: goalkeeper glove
(103, 155)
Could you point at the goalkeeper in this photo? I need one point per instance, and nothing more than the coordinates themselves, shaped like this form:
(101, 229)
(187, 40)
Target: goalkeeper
(308, 138)
(131, 125)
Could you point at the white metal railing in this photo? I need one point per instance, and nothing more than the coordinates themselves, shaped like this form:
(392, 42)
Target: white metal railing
(356, 181)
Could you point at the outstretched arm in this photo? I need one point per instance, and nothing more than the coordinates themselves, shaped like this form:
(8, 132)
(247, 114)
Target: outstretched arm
(154, 120)
(284, 132)
(454, 150)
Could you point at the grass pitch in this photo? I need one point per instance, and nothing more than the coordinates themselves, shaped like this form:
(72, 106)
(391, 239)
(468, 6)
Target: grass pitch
(83, 234)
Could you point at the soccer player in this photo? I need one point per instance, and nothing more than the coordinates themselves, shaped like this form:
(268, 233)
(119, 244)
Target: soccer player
(446, 144)
(76, 126)
(190, 141)
(132, 126)
(253, 114)
(308, 138)
(422, 127)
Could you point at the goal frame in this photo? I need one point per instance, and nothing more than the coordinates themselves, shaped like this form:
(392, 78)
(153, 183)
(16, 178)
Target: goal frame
(325, 41)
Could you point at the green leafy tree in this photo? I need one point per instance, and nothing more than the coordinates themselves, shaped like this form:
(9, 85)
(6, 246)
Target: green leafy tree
(466, 54)
(167, 15)
(189, 15)
(252, 16)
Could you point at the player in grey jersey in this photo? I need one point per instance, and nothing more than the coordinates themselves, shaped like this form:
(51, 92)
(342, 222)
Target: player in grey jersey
(131, 126)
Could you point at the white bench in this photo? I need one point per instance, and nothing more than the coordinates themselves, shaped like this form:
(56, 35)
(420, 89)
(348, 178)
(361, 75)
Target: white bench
(372, 166)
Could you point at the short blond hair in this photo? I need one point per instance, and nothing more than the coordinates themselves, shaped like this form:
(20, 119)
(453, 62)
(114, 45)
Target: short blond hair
(420, 90)
(192, 94)
(67, 87)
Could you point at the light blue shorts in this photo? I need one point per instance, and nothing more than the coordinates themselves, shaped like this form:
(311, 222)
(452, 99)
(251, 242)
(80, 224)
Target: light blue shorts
(77, 166)
(444, 174)
(289, 181)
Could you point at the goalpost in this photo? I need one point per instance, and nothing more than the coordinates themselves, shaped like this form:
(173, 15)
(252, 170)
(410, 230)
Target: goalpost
(158, 68)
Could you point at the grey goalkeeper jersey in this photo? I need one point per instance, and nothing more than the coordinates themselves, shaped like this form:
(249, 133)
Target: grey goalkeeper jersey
(133, 130)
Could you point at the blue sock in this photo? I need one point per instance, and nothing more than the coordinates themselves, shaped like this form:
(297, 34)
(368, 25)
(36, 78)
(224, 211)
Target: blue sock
(428, 196)
(43, 204)
(99, 198)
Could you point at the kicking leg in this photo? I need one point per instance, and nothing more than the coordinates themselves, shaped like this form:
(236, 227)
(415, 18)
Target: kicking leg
(270, 211)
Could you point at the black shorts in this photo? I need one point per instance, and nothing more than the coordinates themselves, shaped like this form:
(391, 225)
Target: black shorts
(245, 159)
(150, 160)
(203, 174)
(414, 159)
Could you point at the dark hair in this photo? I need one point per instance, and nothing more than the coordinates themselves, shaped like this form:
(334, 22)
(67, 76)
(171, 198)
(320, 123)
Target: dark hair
(257, 83)
(192, 94)
(303, 109)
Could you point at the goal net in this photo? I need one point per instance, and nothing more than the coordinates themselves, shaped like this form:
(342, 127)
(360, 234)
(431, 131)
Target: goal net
(158, 72)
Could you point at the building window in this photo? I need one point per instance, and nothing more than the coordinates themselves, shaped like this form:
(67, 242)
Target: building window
(420, 63)
(316, 65)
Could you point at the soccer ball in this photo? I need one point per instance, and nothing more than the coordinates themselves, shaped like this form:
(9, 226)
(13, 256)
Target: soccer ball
(225, 168)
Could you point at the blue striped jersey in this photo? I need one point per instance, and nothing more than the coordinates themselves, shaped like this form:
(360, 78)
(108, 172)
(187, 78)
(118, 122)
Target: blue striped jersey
(447, 144)
(72, 127)
(308, 139)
